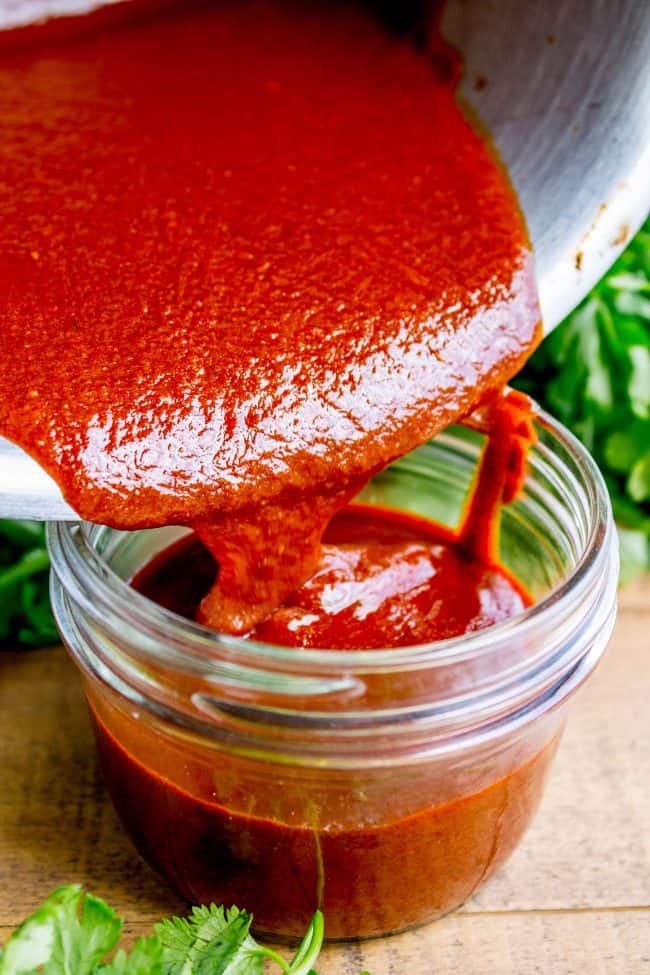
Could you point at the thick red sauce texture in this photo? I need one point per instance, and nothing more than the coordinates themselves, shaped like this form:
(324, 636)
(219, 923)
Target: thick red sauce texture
(384, 578)
(251, 252)
(267, 847)
(284, 847)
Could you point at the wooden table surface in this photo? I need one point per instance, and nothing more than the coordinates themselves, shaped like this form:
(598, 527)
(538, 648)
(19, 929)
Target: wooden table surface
(575, 898)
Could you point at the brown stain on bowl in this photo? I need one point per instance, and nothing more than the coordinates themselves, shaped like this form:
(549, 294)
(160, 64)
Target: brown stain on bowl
(579, 257)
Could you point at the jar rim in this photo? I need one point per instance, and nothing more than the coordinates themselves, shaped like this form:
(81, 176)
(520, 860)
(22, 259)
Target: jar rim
(310, 707)
(103, 586)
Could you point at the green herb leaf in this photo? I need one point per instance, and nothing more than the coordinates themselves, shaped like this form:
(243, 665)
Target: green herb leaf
(144, 959)
(212, 941)
(71, 933)
(68, 935)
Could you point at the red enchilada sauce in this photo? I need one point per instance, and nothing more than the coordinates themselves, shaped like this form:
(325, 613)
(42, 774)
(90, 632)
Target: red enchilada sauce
(237, 834)
(385, 578)
(372, 868)
(252, 252)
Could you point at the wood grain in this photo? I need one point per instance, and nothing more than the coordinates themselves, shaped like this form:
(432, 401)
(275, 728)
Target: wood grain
(575, 898)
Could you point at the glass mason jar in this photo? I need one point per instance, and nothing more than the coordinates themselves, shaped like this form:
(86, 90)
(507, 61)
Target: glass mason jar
(383, 786)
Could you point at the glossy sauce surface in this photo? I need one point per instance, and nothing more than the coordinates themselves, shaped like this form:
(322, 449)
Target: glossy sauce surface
(284, 845)
(251, 252)
(384, 578)
(287, 840)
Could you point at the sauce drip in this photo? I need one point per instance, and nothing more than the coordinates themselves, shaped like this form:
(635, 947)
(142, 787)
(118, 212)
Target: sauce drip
(383, 577)
(252, 252)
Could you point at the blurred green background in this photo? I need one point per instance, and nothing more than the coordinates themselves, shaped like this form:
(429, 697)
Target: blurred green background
(593, 374)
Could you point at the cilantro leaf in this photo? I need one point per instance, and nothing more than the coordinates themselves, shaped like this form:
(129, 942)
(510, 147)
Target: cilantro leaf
(68, 935)
(212, 941)
(72, 933)
(144, 959)
(81, 941)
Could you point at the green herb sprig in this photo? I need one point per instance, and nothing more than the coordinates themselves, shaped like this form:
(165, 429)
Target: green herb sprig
(25, 614)
(74, 933)
(593, 374)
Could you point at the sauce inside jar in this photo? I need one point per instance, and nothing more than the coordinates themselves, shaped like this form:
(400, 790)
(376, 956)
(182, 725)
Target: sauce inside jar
(286, 841)
(384, 579)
